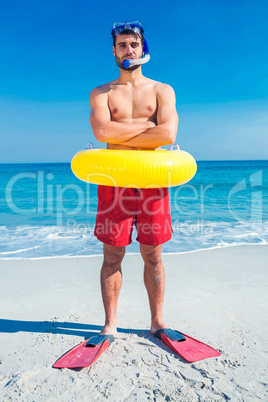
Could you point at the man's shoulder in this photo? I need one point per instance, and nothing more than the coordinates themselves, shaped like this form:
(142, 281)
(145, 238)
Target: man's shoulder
(160, 86)
(103, 89)
(164, 92)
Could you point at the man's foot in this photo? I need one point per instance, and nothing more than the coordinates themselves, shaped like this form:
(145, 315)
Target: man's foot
(157, 326)
(109, 330)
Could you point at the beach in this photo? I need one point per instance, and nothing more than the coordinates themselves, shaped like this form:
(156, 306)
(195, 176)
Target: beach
(74, 85)
(218, 296)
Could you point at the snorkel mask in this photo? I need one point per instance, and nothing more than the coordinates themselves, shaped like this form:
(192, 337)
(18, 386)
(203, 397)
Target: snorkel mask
(135, 26)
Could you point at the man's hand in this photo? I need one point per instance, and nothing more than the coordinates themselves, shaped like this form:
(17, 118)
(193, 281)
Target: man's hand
(151, 124)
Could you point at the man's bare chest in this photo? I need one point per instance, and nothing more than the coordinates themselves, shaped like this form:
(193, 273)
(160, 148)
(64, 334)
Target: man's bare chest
(136, 104)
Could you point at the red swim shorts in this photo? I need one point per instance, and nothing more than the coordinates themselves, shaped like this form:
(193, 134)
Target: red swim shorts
(119, 208)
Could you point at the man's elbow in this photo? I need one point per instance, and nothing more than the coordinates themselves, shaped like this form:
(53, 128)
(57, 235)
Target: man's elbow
(173, 128)
(171, 136)
(99, 135)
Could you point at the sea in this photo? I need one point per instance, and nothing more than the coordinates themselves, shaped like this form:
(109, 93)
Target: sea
(45, 211)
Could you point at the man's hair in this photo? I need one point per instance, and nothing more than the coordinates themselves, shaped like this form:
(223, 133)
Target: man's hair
(129, 32)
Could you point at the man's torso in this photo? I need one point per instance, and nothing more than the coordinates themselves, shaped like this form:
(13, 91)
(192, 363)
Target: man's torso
(132, 104)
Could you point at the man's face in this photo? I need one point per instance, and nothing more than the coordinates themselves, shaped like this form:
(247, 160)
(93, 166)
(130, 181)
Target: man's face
(127, 47)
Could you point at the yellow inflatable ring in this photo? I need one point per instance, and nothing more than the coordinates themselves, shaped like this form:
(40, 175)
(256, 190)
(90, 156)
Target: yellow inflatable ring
(135, 169)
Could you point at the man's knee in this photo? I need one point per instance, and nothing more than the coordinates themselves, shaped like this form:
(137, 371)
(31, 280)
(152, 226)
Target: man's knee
(151, 255)
(113, 256)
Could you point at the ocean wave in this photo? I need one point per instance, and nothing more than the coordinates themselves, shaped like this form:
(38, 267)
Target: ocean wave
(59, 241)
(17, 251)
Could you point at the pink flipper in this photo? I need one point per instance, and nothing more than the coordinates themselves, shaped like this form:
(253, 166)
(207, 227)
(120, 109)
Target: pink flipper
(84, 354)
(188, 348)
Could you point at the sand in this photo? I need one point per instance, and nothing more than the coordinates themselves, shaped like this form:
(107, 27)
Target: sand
(218, 296)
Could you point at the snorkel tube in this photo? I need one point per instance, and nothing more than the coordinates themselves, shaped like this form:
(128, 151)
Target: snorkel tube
(144, 59)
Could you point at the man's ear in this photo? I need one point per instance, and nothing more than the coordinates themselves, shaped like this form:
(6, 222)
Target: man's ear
(113, 50)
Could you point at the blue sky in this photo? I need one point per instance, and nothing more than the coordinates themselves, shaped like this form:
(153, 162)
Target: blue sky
(213, 53)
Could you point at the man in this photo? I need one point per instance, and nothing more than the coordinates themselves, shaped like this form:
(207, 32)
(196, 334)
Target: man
(132, 113)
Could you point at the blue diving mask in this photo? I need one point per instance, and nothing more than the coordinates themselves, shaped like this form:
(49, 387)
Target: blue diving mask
(136, 27)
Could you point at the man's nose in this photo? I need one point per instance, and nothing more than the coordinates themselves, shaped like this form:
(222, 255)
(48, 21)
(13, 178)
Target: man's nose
(129, 49)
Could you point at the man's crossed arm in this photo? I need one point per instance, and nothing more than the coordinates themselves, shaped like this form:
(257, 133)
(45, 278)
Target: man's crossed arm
(142, 134)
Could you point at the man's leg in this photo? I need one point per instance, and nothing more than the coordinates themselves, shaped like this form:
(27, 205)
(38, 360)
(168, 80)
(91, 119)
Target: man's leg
(154, 279)
(111, 280)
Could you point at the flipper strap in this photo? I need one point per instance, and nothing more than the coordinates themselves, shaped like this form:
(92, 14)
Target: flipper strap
(171, 334)
(98, 340)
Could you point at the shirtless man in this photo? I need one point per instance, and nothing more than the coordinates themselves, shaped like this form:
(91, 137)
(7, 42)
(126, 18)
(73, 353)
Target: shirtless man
(132, 113)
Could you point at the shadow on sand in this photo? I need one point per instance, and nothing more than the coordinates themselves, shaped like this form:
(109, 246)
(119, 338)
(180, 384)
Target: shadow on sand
(56, 327)
(77, 329)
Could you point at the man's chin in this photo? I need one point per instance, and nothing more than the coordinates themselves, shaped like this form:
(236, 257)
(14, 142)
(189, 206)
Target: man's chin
(120, 65)
(129, 68)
